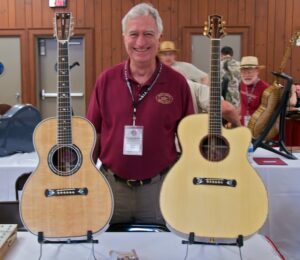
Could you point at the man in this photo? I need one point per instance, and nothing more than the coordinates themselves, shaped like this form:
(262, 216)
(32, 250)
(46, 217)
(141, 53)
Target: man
(196, 80)
(168, 55)
(251, 87)
(136, 107)
(231, 76)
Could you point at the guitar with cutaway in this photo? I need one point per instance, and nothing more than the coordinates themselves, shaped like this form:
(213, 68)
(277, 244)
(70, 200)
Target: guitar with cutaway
(212, 190)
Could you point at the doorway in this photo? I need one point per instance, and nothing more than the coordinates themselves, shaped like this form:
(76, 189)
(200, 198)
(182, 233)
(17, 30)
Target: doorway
(201, 46)
(10, 70)
(47, 75)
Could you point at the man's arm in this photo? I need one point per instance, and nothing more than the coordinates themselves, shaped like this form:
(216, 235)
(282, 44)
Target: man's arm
(230, 113)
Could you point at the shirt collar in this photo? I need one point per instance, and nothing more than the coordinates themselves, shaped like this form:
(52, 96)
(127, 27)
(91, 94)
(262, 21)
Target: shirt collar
(150, 80)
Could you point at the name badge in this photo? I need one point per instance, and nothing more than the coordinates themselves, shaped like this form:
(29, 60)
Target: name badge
(133, 140)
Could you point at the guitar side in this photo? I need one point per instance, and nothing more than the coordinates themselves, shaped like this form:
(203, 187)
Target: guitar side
(218, 211)
(63, 214)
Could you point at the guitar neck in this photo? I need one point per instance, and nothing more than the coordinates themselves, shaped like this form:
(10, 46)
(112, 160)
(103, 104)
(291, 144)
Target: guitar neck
(215, 116)
(64, 108)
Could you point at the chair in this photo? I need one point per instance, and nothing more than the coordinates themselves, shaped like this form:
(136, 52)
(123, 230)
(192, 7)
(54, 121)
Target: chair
(10, 214)
(20, 182)
(141, 227)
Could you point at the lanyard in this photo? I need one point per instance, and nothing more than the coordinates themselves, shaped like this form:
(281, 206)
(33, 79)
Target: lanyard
(143, 94)
(249, 97)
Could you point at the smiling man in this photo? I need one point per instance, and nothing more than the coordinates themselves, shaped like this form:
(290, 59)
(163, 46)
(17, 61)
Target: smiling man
(135, 108)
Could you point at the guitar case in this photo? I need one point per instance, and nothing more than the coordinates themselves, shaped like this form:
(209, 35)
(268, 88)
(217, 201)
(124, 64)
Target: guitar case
(16, 129)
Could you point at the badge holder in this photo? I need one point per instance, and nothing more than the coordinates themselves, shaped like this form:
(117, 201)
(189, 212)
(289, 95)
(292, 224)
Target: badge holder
(280, 111)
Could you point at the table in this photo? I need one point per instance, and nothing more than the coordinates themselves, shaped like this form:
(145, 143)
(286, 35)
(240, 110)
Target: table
(148, 246)
(283, 187)
(282, 183)
(11, 167)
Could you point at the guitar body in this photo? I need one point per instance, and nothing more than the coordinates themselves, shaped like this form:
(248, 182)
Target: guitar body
(260, 118)
(65, 214)
(213, 211)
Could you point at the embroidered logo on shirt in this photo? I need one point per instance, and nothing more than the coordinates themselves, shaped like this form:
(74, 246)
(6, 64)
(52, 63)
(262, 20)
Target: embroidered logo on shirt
(164, 98)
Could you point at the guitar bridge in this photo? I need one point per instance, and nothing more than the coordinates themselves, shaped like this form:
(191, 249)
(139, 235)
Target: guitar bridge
(66, 192)
(214, 181)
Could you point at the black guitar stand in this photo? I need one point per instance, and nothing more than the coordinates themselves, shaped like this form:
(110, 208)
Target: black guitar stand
(89, 239)
(279, 111)
(239, 241)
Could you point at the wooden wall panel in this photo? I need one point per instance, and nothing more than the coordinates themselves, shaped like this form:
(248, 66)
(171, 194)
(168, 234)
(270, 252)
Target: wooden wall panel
(269, 25)
(4, 13)
(270, 52)
(116, 27)
(241, 12)
(260, 35)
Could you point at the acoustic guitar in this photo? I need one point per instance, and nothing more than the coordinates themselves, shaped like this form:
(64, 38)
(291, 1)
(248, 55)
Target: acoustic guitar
(66, 196)
(270, 100)
(212, 190)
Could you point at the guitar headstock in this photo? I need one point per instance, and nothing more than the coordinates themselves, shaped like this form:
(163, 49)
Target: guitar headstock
(63, 26)
(214, 28)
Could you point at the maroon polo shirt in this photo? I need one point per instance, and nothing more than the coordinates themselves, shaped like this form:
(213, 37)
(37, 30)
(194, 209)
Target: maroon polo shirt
(250, 97)
(111, 108)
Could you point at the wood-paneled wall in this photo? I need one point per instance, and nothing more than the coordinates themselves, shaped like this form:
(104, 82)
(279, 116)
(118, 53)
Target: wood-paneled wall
(270, 24)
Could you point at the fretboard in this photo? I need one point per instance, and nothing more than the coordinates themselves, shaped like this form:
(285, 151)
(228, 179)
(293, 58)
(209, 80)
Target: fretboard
(64, 108)
(215, 115)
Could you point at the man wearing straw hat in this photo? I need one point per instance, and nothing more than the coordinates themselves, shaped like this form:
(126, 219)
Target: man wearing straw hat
(198, 82)
(168, 53)
(251, 87)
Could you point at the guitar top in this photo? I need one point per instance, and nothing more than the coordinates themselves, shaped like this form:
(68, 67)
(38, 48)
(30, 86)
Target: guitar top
(66, 196)
(212, 190)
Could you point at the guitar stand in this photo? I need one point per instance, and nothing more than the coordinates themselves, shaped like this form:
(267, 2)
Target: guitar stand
(279, 111)
(89, 239)
(239, 241)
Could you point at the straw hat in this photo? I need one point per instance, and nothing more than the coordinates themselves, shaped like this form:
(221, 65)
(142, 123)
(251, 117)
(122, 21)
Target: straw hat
(167, 46)
(250, 62)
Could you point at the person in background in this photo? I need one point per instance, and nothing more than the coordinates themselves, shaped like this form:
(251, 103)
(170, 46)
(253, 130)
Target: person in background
(251, 87)
(136, 107)
(294, 100)
(168, 53)
(231, 76)
(196, 78)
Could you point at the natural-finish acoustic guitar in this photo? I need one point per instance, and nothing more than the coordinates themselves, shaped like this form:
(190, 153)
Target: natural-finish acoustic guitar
(212, 190)
(66, 196)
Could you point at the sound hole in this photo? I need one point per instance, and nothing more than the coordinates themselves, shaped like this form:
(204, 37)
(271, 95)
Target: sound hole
(65, 160)
(214, 147)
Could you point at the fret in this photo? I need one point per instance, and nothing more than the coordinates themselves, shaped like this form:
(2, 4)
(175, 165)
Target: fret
(215, 114)
(64, 111)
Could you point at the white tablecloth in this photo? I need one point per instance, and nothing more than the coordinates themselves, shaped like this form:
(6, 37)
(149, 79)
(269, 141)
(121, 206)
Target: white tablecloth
(11, 167)
(148, 246)
(282, 183)
(283, 187)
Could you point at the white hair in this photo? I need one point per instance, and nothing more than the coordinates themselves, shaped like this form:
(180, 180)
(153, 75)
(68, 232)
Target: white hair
(143, 9)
